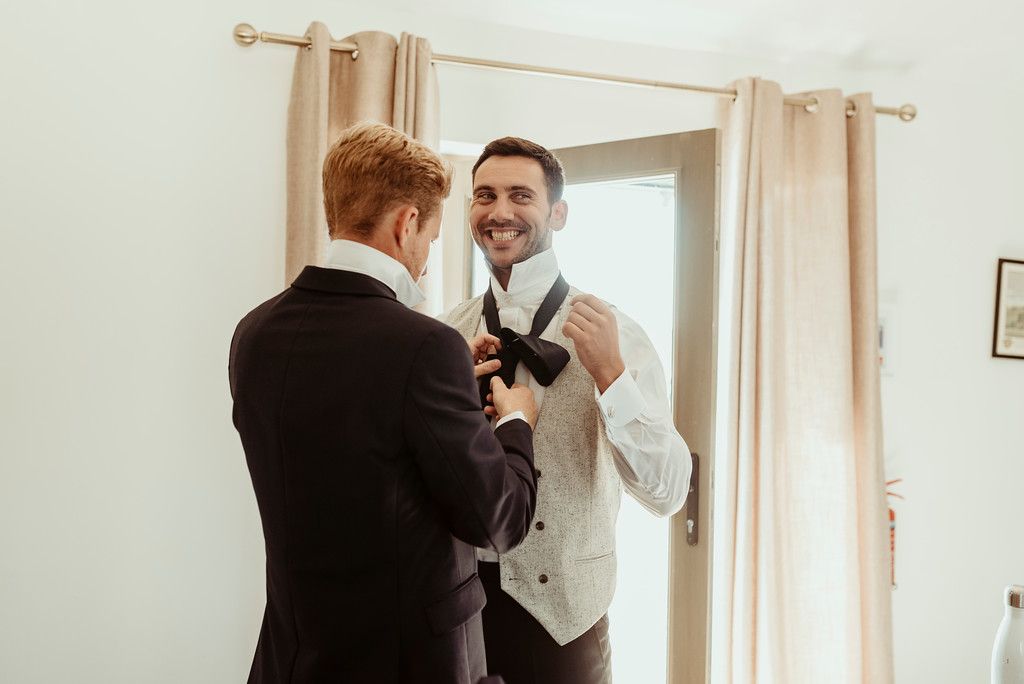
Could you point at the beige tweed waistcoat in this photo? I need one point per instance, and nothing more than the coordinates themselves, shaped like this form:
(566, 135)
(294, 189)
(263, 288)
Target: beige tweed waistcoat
(564, 572)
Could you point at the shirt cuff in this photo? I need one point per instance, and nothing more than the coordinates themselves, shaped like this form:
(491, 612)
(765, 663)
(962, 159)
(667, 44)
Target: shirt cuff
(512, 416)
(622, 402)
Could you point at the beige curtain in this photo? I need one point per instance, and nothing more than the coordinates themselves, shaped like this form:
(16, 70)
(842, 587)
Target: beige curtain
(801, 590)
(390, 82)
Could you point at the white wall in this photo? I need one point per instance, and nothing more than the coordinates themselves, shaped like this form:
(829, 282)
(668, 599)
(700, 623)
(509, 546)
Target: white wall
(142, 204)
(139, 221)
(949, 207)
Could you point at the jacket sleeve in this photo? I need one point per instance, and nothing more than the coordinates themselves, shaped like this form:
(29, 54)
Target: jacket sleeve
(483, 481)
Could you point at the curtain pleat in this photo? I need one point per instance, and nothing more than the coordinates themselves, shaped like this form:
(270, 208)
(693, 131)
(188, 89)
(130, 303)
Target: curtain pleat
(803, 578)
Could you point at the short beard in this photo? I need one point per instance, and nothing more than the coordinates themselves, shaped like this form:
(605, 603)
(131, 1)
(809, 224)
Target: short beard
(532, 250)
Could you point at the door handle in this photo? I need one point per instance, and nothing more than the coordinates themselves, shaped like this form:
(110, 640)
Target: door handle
(693, 502)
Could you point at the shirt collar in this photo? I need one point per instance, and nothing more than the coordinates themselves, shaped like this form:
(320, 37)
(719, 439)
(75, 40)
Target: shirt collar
(348, 255)
(529, 282)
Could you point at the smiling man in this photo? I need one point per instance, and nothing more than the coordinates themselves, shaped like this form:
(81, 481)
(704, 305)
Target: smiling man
(604, 424)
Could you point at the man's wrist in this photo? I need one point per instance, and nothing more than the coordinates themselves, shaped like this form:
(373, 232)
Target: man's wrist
(515, 415)
(604, 377)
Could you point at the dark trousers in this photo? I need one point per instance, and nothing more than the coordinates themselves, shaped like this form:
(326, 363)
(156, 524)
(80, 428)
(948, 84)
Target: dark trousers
(522, 652)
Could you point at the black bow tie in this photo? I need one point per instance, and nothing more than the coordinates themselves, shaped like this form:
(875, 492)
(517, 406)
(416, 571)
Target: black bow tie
(544, 359)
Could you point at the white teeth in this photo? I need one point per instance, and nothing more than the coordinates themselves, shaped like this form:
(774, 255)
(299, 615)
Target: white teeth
(504, 235)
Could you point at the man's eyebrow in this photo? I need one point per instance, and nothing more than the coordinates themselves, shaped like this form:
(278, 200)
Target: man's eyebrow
(508, 188)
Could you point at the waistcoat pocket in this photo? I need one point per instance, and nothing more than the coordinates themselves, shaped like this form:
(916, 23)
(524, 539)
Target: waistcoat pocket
(595, 557)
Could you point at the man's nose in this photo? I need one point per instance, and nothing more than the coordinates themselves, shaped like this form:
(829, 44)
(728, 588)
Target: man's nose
(501, 210)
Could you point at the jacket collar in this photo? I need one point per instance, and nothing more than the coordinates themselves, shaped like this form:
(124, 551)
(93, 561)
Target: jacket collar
(342, 282)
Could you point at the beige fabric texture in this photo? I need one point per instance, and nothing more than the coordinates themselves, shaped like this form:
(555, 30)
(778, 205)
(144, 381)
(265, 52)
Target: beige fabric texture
(391, 82)
(578, 497)
(801, 575)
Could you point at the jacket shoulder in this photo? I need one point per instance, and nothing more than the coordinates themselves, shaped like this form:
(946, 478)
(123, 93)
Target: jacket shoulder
(260, 312)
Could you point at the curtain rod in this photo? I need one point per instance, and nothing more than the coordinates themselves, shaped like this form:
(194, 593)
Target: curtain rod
(246, 35)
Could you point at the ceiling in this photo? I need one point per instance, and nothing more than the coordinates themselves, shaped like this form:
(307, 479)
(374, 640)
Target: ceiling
(869, 34)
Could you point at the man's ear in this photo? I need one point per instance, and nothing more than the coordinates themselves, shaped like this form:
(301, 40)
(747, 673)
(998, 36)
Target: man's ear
(559, 213)
(406, 224)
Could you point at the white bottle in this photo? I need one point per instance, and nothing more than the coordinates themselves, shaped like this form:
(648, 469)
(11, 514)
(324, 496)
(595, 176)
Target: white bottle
(1008, 650)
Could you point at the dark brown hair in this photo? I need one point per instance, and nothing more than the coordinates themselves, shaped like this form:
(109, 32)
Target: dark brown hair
(554, 176)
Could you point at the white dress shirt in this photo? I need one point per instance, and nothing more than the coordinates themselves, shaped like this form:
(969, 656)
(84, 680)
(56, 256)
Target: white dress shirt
(348, 255)
(651, 457)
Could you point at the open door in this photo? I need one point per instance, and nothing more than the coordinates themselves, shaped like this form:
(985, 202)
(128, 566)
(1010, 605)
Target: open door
(643, 233)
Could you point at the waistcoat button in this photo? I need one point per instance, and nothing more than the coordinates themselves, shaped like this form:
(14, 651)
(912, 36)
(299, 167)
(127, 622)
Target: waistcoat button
(543, 579)
(540, 525)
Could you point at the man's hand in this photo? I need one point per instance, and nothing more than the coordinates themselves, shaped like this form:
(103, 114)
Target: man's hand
(592, 327)
(481, 347)
(507, 400)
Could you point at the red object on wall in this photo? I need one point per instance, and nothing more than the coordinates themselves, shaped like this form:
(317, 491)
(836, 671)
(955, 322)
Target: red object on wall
(892, 531)
(892, 547)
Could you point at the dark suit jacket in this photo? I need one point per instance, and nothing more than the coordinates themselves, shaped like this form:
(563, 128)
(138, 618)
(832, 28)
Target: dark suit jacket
(376, 473)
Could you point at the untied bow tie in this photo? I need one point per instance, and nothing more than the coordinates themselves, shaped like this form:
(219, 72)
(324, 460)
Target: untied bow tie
(544, 359)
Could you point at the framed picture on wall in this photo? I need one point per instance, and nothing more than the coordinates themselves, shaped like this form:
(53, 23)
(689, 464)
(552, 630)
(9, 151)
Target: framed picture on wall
(1008, 337)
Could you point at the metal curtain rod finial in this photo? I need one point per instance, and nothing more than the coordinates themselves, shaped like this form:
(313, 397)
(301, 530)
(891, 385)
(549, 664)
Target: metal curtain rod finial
(245, 35)
(907, 112)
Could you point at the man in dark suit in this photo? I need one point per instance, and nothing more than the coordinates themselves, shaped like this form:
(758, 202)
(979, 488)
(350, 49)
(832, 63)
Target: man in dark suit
(375, 471)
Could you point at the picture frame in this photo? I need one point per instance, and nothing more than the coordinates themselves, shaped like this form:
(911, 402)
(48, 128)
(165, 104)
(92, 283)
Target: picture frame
(1008, 332)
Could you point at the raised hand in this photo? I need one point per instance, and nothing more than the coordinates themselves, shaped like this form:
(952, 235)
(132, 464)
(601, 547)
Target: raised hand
(592, 327)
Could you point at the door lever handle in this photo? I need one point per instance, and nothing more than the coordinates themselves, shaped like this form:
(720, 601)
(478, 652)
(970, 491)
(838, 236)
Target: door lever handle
(693, 502)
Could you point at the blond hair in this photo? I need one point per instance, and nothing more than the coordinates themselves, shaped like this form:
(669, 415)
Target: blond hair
(373, 168)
